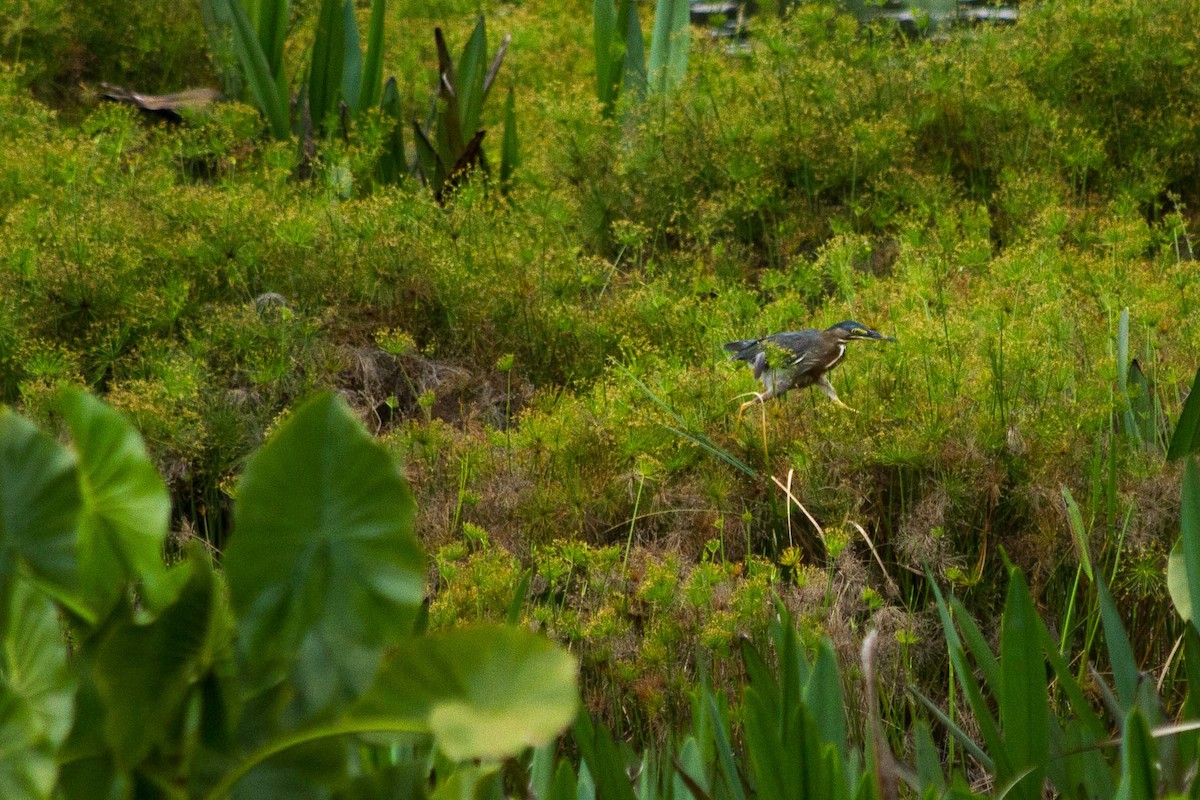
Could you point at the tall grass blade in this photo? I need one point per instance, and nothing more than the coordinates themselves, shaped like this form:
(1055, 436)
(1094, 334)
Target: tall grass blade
(565, 786)
(218, 29)
(1120, 652)
(1138, 780)
(669, 46)
(985, 659)
(733, 779)
(1075, 520)
(1186, 439)
(689, 778)
(449, 127)
(429, 162)
(510, 153)
(966, 680)
(494, 69)
(518, 600)
(372, 70)
(823, 697)
(954, 730)
(393, 161)
(325, 71)
(1189, 523)
(609, 53)
(603, 758)
(1024, 697)
(633, 70)
(1077, 700)
(928, 759)
(270, 19)
(263, 86)
(1129, 424)
(696, 438)
(1142, 406)
(352, 59)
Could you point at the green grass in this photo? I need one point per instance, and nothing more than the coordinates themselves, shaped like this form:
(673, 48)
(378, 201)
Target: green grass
(995, 201)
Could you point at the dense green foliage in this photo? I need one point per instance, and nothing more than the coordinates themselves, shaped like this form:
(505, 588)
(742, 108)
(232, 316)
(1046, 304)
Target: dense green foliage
(183, 682)
(1014, 205)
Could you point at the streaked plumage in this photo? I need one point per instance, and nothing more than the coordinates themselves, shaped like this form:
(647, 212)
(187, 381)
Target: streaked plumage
(798, 359)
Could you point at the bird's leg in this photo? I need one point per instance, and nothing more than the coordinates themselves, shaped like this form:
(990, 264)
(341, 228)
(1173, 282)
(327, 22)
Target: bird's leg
(825, 386)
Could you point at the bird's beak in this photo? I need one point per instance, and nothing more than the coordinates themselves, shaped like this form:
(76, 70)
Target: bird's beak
(880, 336)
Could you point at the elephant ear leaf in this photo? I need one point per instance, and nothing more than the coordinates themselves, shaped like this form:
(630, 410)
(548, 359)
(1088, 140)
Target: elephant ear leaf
(126, 508)
(323, 565)
(485, 692)
(36, 694)
(39, 507)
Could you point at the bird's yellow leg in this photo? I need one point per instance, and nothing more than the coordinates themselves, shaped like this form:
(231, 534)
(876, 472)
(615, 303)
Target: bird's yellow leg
(825, 386)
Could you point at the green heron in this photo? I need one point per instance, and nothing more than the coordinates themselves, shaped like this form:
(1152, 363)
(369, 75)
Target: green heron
(796, 359)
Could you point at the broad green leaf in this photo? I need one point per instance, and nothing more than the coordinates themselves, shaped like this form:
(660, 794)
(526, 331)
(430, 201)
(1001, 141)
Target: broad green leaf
(144, 673)
(327, 62)
(36, 694)
(485, 692)
(126, 508)
(323, 567)
(352, 59)
(1189, 523)
(372, 71)
(510, 156)
(39, 505)
(1024, 698)
(264, 86)
(1186, 439)
(469, 79)
(669, 45)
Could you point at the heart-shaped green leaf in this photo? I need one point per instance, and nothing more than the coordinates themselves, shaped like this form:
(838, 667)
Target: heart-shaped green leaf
(125, 504)
(484, 692)
(323, 566)
(144, 672)
(36, 694)
(39, 504)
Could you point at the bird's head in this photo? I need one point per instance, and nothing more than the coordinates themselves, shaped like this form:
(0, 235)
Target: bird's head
(850, 330)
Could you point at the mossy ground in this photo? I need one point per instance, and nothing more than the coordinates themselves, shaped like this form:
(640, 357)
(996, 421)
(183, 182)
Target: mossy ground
(548, 364)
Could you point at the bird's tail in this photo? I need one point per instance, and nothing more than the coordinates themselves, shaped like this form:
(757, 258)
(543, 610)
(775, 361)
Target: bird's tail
(737, 347)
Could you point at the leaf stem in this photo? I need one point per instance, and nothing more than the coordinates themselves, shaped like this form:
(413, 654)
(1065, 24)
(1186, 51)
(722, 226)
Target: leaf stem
(343, 727)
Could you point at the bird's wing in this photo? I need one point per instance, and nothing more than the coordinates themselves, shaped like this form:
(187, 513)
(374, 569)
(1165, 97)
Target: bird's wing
(759, 365)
